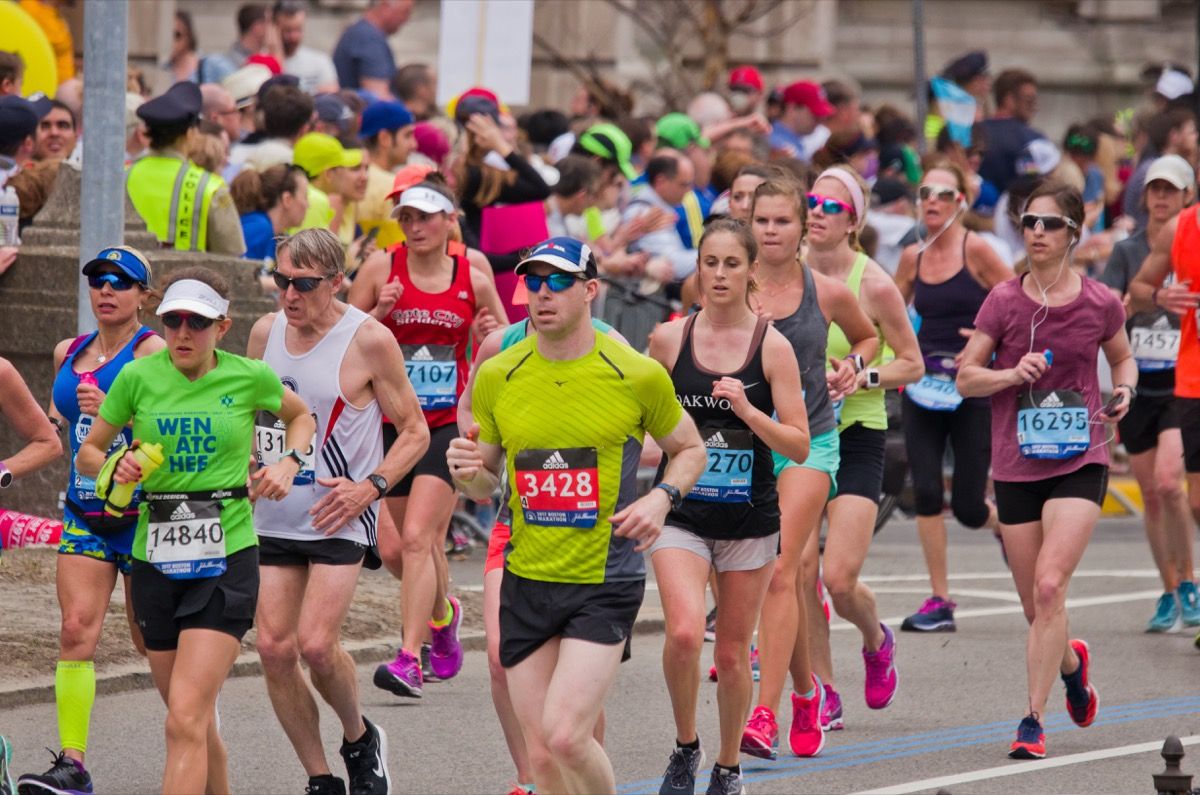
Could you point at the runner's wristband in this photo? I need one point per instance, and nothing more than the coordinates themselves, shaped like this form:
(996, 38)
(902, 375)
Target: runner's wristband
(1132, 390)
(673, 493)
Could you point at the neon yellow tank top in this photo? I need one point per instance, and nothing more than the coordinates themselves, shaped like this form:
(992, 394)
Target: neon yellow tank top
(866, 405)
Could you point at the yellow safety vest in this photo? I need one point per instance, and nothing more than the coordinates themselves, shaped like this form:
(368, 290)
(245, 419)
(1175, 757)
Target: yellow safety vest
(695, 218)
(173, 198)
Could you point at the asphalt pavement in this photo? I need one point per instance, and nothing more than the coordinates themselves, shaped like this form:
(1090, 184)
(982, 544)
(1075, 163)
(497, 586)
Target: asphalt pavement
(961, 696)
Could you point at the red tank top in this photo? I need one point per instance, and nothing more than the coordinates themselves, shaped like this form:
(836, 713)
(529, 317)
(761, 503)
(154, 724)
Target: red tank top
(433, 330)
(1185, 257)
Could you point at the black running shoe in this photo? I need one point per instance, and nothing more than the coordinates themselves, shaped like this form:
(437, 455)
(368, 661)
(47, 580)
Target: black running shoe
(680, 778)
(325, 785)
(65, 777)
(366, 762)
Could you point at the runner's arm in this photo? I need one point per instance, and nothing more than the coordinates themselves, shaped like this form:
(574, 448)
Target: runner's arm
(643, 518)
(487, 298)
(906, 273)
(1124, 371)
(274, 482)
(26, 416)
(398, 401)
(789, 435)
(364, 290)
(991, 269)
(259, 334)
(842, 307)
(975, 378)
(1146, 291)
(475, 465)
(892, 316)
(487, 349)
(94, 450)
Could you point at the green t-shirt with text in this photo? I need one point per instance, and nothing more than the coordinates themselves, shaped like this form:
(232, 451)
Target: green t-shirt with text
(205, 427)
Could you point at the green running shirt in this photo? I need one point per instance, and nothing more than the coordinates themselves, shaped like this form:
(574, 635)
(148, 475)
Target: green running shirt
(571, 429)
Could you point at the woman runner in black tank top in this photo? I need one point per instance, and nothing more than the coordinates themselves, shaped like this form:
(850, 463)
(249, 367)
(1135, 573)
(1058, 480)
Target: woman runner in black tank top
(734, 374)
(946, 279)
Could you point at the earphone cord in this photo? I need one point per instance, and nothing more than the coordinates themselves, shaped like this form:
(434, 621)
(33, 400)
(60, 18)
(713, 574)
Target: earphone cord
(923, 245)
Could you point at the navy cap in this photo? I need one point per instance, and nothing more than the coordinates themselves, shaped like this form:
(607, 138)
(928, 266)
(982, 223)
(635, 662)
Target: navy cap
(41, 104)
(277, 80)
(128, 260)
(18, 120)
(390, 116)
(330, 108)
(966, 68)
(564, 253)
(178, 104)
(469, 106)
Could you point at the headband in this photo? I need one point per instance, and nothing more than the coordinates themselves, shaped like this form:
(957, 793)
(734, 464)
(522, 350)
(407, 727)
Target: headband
(855, 190)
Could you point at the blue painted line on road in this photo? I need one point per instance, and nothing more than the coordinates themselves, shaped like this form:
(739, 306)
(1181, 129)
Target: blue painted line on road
(934, 741)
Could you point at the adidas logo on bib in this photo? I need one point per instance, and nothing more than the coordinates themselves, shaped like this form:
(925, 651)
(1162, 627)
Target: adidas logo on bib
(182, 512)
(716, 440)
(423, 355)
(556, 461)
(1162, 323)
(1051, 401)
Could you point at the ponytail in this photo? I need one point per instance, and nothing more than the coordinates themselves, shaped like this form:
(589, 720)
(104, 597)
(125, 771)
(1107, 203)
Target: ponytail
(259, 191)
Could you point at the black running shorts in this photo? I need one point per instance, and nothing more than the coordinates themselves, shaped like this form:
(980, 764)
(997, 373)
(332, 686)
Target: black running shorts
(532, 612)
(432, 463)
(327, 552)
(1148, 417)
(164, 607)
(1018, 502)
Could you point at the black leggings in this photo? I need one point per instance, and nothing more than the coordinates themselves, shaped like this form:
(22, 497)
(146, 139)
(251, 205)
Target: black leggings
(970, 430)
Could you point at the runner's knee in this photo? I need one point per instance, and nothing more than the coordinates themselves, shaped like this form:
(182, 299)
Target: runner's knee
(79, 634)
(320, 653)
(568, 744)
(972, 513)
(731, 657)
(686, 638)
(1049, 592)
(277, 653)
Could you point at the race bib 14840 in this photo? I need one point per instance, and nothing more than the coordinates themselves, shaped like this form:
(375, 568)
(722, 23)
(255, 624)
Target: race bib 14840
(558, 487)
(184, 538)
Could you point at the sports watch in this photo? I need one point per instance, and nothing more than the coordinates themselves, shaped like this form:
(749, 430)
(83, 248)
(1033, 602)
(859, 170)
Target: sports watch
(856, 359)
(293, 454)
(873, 378)
(6, 477)
(379, 482)
(673, 493)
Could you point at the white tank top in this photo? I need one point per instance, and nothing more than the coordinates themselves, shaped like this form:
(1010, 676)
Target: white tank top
(348, 442)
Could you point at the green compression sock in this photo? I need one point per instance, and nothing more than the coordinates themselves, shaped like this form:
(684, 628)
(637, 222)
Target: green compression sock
(75, 693)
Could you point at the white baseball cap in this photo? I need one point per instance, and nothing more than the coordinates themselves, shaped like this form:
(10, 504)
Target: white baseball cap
(1173, 169)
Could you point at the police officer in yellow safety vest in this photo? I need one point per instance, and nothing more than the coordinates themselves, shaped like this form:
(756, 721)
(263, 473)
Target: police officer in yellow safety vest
(186, 207)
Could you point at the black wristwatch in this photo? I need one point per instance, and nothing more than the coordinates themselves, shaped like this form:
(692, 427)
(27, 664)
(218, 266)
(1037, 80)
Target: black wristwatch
(293, 454)
(6, 477)
(379, 482)
(1130, 387)
(673, 493)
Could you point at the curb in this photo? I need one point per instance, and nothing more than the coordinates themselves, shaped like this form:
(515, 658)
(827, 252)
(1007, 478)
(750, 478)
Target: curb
(134, 676)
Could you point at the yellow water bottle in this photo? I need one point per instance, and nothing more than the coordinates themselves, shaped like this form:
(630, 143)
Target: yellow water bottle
(149, 457)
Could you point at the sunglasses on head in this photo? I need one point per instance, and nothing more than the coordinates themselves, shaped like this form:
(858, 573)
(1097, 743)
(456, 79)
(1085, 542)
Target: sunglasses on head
(174, 320)
(117, 281)
(303, 284)
(557, 282)
(942, 192)
(828, 204)
(1048, 223)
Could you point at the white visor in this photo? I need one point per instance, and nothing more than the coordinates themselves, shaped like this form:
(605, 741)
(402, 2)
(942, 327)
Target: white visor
(189, 295)
(425, 200)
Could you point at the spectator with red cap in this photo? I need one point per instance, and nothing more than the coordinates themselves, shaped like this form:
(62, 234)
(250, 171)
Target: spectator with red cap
(745, 90)
(432, 144)
(804, 106)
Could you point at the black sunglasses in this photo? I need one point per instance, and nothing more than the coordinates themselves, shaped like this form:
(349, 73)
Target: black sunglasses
(174, 320)
(303, 284)
(117, 281)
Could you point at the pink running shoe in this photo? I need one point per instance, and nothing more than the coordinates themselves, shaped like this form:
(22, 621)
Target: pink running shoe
(807, 736)
(401, 676)
(882, 679)
(761, 737)
(446, 653)
(831, 711)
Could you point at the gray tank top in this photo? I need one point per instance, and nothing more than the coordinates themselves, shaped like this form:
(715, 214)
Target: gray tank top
(808, 331)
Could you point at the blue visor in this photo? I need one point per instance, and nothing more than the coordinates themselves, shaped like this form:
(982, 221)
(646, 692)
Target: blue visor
(130, 261)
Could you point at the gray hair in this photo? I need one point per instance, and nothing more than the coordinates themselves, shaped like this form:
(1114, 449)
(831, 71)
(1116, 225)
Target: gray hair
(318, 249)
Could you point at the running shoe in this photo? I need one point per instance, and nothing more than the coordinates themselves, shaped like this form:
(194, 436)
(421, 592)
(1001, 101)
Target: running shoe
(881, 680)
(680, 778)
(831, 711)
(521, 789)
(1082, 700)
(1189, 603)
(1166, 614)
(936, 615)
(65, 777)
(366, 762)
(7, 787)
(325, 785)
(446, 653)
(710, 627)
(1031, 740)
(725, 782)
(427, 673)
(402, 676)
(755, 672)
(807, 736)
(761, 736)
